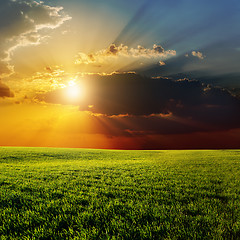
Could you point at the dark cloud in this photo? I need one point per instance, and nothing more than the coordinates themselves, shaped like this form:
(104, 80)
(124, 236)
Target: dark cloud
(113, 49)
(140, 105)
(158, 48)
(5, 90)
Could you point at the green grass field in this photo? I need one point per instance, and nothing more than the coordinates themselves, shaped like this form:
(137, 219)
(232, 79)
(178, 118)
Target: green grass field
(48, 193)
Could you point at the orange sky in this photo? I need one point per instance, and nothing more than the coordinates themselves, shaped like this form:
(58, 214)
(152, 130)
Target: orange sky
(65, 126)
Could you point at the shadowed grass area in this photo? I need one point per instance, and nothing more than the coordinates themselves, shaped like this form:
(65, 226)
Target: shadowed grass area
(48, 193)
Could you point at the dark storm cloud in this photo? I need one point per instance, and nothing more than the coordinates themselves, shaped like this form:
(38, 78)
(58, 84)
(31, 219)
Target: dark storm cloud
(138, 105)
(5, 91)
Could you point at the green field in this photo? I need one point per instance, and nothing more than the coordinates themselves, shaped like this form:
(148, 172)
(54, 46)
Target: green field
(48, 193)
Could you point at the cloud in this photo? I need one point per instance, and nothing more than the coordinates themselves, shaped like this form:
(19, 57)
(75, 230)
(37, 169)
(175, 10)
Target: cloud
(154, 105)
(156, 52)
(198, 55)
(21, 24)
(5, 91)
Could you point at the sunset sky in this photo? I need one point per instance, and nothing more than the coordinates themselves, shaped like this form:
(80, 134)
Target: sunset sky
(139, 74)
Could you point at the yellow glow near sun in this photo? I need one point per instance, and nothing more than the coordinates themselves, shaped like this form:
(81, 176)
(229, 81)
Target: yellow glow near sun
(71, 83)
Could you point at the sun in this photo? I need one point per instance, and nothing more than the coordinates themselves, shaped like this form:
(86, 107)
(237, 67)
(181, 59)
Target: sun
(74, 91)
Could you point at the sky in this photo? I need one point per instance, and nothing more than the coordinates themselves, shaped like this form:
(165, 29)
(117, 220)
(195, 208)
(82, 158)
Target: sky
(146, 74)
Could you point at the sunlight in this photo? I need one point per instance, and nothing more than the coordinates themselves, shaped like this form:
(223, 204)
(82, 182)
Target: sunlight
(74, 91)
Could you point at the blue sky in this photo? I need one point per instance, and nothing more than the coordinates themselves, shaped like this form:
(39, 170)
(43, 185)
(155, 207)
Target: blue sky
(211, 27)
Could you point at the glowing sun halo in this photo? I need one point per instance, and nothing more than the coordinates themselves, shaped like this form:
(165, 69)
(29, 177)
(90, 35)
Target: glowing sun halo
(74, 91)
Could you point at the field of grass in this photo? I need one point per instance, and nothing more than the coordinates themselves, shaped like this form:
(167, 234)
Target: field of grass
(48, 193)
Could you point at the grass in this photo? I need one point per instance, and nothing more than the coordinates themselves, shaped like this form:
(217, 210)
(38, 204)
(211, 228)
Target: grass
(105, 194)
